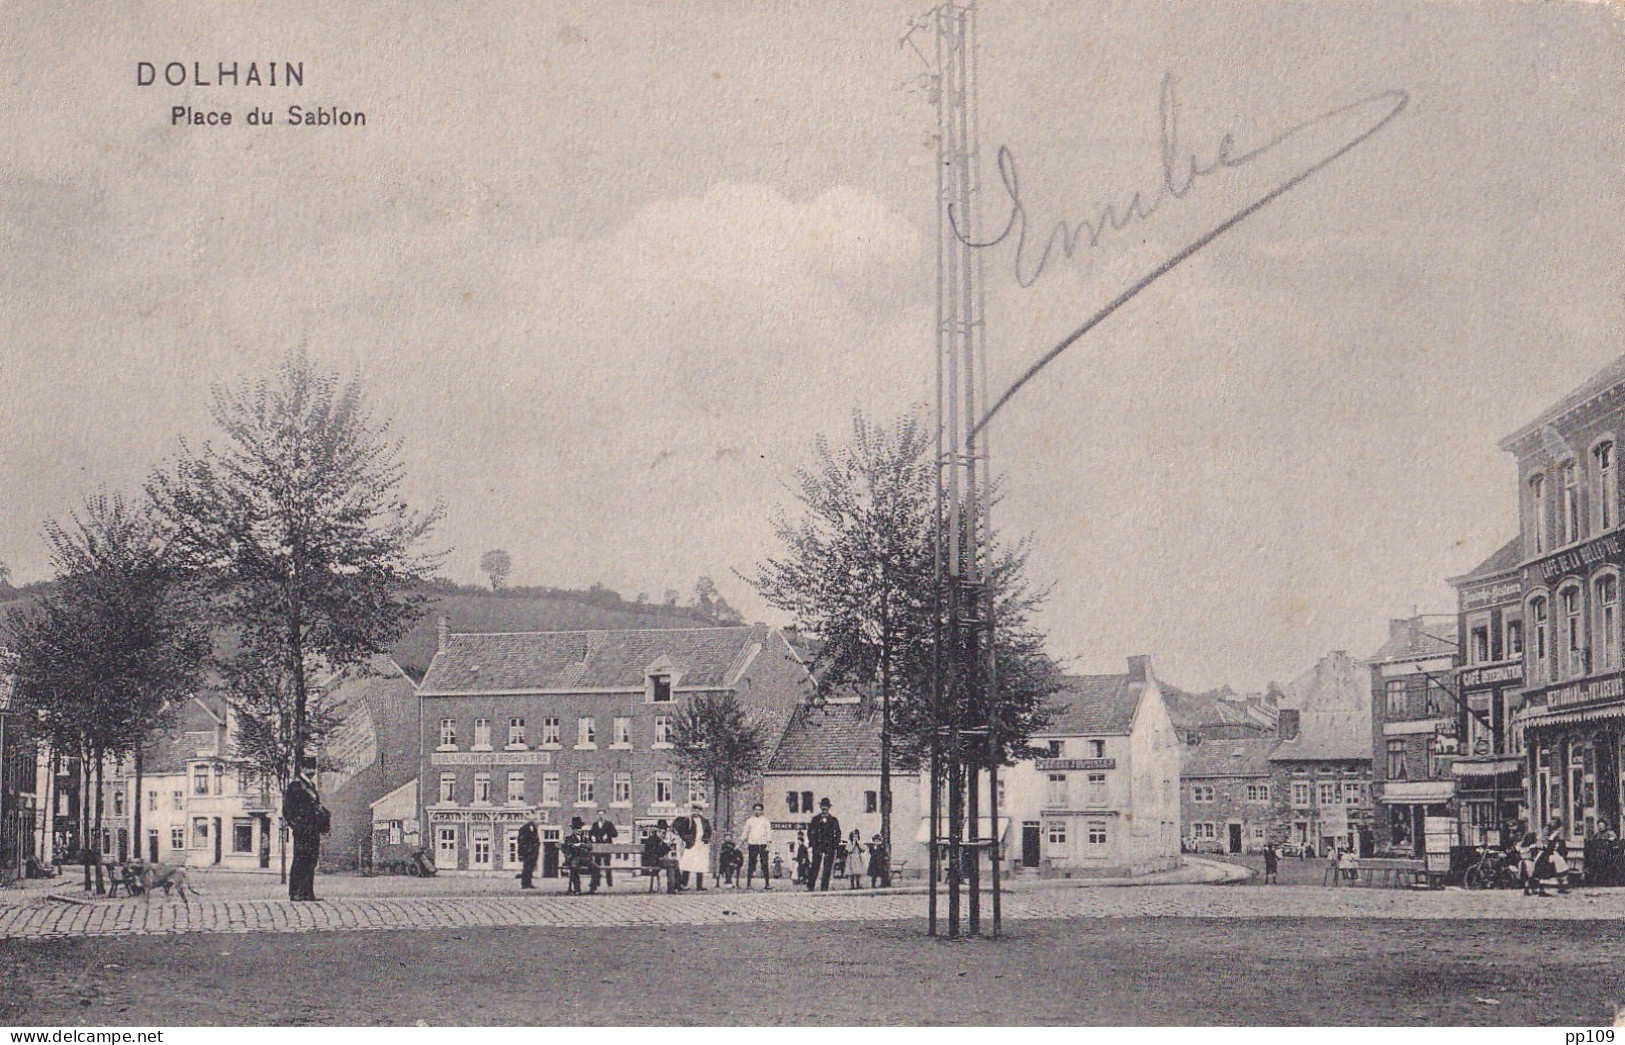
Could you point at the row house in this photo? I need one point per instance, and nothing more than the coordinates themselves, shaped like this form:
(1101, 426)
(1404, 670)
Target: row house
(1320, 782)
(193, 805)
(19, 799)
(555, 725)
(1227, 795)
(1104, 799)
(1488, 766)
(1571, 558)
(1414, 730)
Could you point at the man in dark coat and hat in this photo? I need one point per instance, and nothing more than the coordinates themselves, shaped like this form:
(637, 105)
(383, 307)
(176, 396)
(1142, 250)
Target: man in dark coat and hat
(308, 819)
(530, 849)
(824, 839)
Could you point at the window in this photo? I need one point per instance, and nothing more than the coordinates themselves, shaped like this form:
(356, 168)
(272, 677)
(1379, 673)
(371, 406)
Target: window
(1604, 493)
(448, 732)
(1394, 705)
(623, 789)
(1056, 796)
(448, 788)
(585, 789)
(479, 844)
(200, 780)
(1097, 789)
(660, 689)
(177, 838)
(662, 731)
(516, 789)
(1354, 793)
(1480, 644)
(179, 799)
(242, 835)
(696, 789)
(1514, 639)
(152, 801)
(1201, 793)
(482, 789)
(200, 832)
(550, 732)
(1606, 642)
(1056, 747)
(1097, 749)
(1202, 832)
(550, 789)
(1573, 641)
(1396, 759)
(118, 802)
(1331, 794)
(1056, 829)
(1096, 833)
(871, 801)
(623, 732)
(798, 801)
(219, 779)
(1569, 523)
(1258, 792)
(1301, 794)
(1537, 512)
(510, 857)
(516, 732)
(482, 734)
(1542, 659)
(1258, 832)
(586, 733)
(663, 790)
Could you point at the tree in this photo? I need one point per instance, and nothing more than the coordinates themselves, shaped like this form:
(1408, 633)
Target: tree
(497, 565)
(858, 577)
(114, 647)
(298, 518)
(713, 737)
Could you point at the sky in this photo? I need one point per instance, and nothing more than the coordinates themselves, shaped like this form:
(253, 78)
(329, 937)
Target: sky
(611, 268)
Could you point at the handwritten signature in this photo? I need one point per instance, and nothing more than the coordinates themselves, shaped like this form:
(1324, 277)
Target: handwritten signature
(1181, 170)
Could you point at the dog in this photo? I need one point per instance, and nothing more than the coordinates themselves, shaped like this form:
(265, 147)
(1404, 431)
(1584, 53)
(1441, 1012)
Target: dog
(165, 877)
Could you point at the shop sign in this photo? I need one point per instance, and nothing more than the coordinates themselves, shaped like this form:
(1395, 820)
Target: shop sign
(790, 825)
(1076, 763)
(1590, 691)
(1579, 558)
(1488, 676)
(491, 758)
(1491, 595)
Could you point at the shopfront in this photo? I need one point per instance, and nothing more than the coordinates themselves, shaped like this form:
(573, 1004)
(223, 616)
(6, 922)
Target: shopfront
(1574, 757)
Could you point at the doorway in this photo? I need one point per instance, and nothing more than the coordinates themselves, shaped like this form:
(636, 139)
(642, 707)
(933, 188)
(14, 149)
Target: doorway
(1235, 838)
(550, 852)
(152, 846)
(445, 848)
(1030, 844)
(219, 840)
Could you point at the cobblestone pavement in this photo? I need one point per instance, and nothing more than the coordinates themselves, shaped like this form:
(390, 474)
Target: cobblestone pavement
(118, 917)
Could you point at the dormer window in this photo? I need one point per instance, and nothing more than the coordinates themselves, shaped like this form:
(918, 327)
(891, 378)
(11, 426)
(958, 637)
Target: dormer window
(660, 689)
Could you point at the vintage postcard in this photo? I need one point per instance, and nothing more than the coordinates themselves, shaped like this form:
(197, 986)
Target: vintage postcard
(790, 513)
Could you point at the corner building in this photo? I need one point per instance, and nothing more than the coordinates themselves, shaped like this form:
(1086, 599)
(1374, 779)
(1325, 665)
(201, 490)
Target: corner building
(1573, 720)
(561, 724)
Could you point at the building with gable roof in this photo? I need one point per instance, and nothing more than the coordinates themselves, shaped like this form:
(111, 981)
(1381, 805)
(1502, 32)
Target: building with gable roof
(1227, 796)
(1414, 729)
(1104, 800)
(560, 724)
(831, 749)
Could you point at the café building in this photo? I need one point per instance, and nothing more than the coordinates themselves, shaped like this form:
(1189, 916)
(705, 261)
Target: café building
(1572, 722)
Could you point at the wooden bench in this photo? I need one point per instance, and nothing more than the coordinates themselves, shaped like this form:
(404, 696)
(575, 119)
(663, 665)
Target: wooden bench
(1396, 872)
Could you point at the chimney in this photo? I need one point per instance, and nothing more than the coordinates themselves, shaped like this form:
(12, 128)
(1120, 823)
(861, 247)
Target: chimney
(442, 631)
(1139, 668)
(1286, 725)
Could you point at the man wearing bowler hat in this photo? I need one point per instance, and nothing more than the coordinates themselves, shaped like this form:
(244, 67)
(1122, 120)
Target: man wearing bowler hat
(824, 839)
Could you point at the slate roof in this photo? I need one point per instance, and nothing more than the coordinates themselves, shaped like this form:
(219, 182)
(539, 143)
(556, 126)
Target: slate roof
(707, 658)
(1602, 381)
(1228, 758)
(1193, 711)
(169, 753)
(1419, 638)
(1504, 560)
(1328, 736)
(1090, 705)
(832, 738)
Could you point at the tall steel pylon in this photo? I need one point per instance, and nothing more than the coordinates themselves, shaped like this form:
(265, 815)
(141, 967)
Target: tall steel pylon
(965, 742)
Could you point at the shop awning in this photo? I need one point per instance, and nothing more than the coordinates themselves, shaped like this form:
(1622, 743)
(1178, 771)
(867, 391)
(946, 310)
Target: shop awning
(1535, 718)
(923, 836)
(1417, 793)
(1487, 766)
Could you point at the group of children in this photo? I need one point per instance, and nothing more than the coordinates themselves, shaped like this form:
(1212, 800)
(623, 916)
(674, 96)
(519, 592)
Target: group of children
(853, 860)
